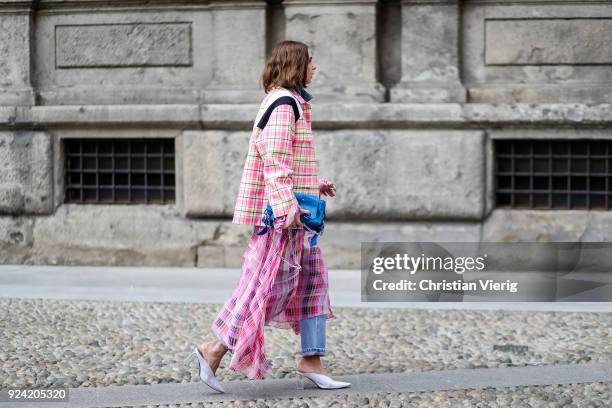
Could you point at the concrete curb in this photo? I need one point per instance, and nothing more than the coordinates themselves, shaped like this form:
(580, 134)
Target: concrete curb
(115, 396)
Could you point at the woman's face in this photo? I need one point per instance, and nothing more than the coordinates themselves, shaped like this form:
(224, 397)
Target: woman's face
(311, 68)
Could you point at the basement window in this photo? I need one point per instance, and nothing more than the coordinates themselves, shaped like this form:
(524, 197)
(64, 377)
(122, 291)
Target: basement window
(119, 171)
(553, 174)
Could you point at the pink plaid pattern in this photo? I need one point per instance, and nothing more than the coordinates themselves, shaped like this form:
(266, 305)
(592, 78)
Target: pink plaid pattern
(280, 161)
(272, 291)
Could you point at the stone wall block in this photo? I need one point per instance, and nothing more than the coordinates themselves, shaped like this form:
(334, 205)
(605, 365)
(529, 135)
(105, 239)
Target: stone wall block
(15, 59)
(342, 38)
(404, 174)
(26, 172)
(430, 53)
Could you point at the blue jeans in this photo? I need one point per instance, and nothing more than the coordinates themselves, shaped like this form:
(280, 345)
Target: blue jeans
(312, 333)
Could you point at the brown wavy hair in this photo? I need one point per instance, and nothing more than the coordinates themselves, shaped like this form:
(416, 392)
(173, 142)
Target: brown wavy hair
(286, 66)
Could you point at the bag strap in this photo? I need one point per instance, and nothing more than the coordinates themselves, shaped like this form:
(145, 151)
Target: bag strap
(280, 97)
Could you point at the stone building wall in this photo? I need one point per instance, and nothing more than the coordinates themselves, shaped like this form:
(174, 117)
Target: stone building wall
(410, 98)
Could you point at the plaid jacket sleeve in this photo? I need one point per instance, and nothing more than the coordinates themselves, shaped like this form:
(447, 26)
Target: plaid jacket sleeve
(275, 146)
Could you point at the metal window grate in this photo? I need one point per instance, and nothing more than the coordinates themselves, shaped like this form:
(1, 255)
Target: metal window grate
(126, 171)
(553, 174)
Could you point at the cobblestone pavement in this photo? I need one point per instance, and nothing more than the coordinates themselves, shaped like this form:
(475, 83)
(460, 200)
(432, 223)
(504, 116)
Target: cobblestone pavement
(97, 343)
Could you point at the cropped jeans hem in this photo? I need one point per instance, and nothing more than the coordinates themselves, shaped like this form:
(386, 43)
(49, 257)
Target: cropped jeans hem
(313, 336)
(313, 352)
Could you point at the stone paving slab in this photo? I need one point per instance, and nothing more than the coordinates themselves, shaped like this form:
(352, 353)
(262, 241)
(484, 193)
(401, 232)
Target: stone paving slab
(209, 285)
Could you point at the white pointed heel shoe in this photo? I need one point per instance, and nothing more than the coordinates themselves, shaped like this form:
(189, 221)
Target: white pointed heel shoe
(206, 374)
(321, 380)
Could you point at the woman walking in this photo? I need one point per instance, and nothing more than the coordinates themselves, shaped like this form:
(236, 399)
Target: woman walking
(284, 279)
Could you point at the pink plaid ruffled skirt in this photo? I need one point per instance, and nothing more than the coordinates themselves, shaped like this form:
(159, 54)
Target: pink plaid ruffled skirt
(283, 281)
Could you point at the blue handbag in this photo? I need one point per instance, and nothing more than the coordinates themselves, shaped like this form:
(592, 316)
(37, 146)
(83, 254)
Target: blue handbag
(313, 221)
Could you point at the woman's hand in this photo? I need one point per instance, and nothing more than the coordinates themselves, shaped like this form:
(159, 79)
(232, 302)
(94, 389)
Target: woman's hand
(297, 222)
(292, 219)
(327, 188)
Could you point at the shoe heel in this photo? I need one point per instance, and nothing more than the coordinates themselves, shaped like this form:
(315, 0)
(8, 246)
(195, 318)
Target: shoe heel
(300, 380)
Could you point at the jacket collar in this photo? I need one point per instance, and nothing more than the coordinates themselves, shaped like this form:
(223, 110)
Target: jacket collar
(302, 95)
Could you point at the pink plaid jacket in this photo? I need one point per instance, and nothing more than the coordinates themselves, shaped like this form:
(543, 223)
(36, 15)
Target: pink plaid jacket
(280, 161)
